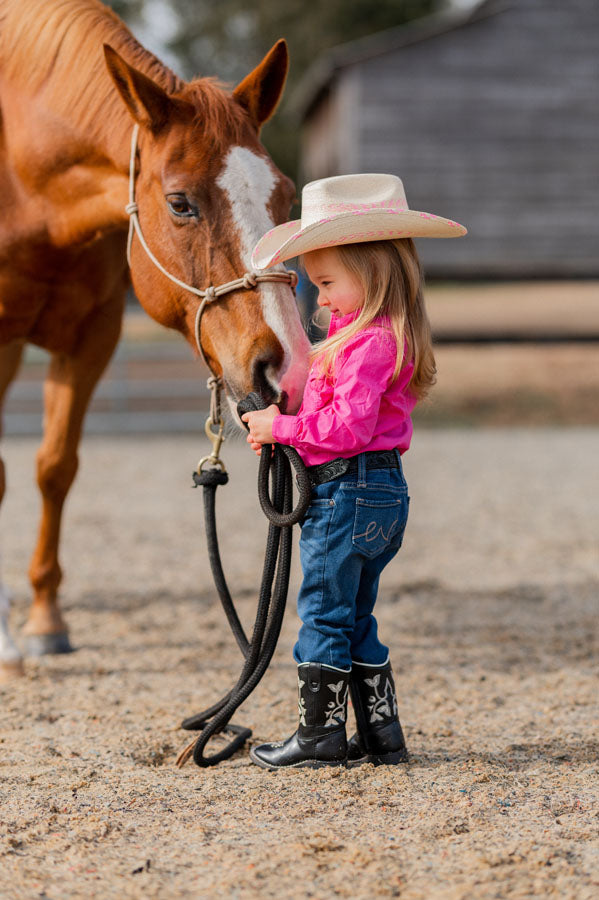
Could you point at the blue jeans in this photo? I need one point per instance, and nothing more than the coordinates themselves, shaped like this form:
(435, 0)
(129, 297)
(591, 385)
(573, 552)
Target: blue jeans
(353, 527)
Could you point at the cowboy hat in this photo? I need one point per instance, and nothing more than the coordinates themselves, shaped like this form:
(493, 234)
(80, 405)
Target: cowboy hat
(347, 209)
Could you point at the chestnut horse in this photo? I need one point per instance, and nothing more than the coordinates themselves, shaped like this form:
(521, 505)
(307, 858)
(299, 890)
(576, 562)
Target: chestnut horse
(73, 83)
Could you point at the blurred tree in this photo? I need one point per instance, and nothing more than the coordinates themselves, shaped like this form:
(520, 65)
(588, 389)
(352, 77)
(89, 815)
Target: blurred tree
(230, 37)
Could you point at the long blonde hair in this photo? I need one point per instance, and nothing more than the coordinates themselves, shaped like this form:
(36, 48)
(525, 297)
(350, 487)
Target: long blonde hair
(391, 277)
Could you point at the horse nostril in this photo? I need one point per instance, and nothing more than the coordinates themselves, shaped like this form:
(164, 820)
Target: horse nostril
(261, 382)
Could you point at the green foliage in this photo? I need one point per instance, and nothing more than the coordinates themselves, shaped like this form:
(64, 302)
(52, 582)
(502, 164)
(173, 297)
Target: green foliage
(230, 37)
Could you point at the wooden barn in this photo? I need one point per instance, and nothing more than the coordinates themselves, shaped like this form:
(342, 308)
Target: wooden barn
(489, 115)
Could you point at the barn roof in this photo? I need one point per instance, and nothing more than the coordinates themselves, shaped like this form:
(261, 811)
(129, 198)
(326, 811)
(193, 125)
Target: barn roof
(318, 77)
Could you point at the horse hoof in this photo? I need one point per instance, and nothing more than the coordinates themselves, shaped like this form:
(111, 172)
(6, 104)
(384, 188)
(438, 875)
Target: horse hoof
(10, 669)
(43, 644)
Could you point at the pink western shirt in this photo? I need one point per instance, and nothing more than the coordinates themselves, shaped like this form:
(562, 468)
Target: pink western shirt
(359, 408)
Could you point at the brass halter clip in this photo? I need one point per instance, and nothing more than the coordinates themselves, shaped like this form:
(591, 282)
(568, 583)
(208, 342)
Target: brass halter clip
(217, 438)
(215, 418)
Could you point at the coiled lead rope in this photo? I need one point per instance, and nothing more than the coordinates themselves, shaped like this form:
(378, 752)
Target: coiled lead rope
(275, 467)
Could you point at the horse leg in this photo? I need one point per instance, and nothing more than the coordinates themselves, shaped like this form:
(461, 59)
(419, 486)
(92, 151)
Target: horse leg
(11, 662)
(67, 392)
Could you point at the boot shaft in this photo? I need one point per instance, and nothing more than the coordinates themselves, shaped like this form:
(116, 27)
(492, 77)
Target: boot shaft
(322, 698)
(373, 695)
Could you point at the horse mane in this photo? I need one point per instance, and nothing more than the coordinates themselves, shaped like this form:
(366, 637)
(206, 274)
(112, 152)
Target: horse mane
(53, 48)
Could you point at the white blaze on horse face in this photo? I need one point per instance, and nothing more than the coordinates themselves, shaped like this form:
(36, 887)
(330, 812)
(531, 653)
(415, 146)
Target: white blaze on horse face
(248, 181)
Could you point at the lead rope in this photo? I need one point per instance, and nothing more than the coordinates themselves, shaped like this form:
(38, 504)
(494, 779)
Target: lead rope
(258, 651)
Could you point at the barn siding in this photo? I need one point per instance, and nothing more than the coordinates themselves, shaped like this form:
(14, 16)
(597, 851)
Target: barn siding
(330, 144)
(495, 124)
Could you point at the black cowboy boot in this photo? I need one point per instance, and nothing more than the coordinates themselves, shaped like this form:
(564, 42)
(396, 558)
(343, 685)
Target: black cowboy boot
(320, 739)
(379, 738)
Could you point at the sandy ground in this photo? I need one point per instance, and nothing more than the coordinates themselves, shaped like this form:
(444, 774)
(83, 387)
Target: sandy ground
(491, 611)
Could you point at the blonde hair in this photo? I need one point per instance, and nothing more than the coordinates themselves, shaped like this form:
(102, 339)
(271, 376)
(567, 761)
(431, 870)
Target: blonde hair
(390, 275)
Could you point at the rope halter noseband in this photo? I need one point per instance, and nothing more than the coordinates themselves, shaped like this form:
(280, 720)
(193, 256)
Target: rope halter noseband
(247, 282)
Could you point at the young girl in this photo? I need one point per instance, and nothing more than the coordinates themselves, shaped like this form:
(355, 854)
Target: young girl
(354, 240)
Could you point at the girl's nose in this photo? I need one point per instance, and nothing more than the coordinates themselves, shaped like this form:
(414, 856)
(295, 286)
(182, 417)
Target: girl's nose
(322, 301)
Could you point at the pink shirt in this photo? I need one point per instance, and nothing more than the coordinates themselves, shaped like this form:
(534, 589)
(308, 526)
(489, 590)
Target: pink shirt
(359, 408)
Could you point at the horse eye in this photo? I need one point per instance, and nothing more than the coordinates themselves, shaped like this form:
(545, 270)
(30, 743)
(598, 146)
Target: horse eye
(180, 206)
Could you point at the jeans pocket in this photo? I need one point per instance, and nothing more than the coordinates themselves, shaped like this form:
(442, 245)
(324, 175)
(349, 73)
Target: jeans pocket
(379, 525)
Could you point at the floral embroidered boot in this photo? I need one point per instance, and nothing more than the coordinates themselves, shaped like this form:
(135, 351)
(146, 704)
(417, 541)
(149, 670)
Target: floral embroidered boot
(379, 738)
(320, 739)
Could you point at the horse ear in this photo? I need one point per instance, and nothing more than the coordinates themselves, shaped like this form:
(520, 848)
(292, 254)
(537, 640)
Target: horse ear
(147, 102)
(261, 90)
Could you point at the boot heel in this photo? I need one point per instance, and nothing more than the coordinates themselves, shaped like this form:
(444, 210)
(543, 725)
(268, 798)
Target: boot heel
(380, 759)
(322, 763)
(388, 759)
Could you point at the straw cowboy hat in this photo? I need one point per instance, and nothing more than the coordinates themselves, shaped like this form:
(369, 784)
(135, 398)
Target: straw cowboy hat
(348, 209)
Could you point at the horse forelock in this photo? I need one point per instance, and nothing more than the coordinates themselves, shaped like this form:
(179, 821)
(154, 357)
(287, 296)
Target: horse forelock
(219, 119)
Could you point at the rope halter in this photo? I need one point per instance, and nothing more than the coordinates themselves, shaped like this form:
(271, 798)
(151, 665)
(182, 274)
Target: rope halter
(248, 281)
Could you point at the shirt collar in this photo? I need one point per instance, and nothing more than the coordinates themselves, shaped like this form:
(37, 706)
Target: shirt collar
(338, 322)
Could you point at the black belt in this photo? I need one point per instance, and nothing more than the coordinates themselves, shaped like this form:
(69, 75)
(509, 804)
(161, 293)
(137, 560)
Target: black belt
(375, 459)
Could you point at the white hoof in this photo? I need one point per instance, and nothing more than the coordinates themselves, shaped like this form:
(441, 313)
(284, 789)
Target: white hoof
(11, 661)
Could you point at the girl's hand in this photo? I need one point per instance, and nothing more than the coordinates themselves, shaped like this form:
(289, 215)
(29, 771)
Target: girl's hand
(260, 425)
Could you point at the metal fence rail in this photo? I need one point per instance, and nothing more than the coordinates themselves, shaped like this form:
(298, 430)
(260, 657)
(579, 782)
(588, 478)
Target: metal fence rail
(157, 386)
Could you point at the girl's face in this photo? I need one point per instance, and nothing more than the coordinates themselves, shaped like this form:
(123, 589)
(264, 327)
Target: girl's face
(338, 290)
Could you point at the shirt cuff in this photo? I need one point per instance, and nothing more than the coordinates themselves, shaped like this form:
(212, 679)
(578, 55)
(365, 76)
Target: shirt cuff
(284, 429)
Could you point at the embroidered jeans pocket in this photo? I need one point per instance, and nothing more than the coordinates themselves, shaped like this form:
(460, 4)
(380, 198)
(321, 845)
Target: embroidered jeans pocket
(379, 525)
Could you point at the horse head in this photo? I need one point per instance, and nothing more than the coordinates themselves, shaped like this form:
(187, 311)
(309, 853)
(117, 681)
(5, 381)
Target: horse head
(206, 190)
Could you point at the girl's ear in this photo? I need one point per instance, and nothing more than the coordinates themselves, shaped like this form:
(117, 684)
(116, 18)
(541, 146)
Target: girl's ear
(261, 90)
